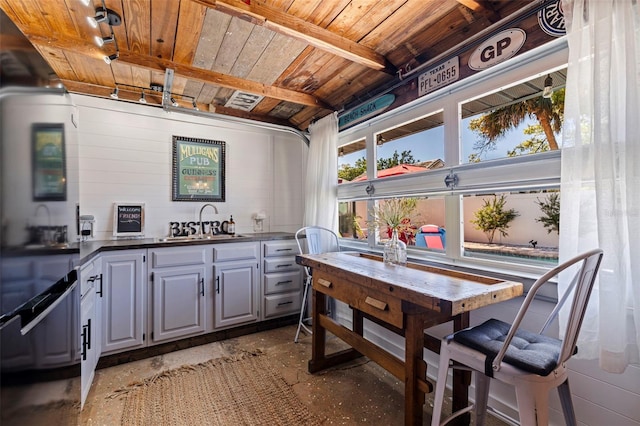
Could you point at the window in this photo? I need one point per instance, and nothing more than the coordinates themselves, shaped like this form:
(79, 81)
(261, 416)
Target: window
(514, 121)
(514, 167)
(352, 161)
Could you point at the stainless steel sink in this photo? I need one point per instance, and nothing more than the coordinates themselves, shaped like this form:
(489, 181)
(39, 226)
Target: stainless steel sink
(196, 237)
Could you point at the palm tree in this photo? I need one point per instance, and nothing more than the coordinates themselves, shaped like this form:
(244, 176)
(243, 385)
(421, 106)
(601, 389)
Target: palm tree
(493, 125)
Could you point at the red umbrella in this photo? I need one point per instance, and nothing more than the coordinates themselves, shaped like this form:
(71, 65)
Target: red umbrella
(400, 169)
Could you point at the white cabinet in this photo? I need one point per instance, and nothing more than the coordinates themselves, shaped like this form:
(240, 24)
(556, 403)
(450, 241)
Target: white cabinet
(178, 284)
(236, 283)
(123, 307)
(282, 278)
(90, 342)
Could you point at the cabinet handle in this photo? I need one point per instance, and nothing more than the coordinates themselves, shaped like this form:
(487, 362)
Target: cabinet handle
(218, 285)
(285, 303)
(202, 286)
(284, 265)
(88, 333)
(285, 249)
(324, 283)
(83, 352)
(378, 304)
(99, 292)
(284, 282)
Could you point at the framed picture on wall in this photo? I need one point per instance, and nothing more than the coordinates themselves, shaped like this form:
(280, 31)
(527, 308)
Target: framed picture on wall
(198, 169)
(48, 174)
(128, 220)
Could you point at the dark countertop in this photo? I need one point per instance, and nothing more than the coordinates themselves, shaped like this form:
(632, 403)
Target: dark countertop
(88, 249)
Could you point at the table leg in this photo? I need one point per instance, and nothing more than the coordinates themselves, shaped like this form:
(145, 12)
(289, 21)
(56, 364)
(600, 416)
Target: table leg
(415, 368)
(461, 378)
(319, 334)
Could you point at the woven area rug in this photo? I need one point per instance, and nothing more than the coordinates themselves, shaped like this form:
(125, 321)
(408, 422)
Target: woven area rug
(246, 390)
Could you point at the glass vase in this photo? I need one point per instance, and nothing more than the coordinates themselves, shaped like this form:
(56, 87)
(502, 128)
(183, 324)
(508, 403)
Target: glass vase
(395, 250)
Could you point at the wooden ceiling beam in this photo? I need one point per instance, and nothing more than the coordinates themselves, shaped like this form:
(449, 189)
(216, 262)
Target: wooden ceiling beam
(292, 26)
(187, 71)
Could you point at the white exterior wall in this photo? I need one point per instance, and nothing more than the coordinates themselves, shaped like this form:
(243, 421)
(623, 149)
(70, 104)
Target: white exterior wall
(126, 156)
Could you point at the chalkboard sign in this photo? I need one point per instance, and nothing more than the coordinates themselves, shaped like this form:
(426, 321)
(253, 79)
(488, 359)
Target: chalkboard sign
(128, 220)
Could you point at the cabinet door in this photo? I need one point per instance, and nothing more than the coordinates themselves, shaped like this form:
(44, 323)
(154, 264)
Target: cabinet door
(178, 302)
(56, 333)
(236, 293)
(123, 301)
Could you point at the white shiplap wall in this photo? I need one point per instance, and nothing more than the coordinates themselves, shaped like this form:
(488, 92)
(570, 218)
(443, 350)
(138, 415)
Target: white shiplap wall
(126, 156)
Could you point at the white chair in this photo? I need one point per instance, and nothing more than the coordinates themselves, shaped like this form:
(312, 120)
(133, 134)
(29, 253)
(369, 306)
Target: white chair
(533, 363)
(312, 240)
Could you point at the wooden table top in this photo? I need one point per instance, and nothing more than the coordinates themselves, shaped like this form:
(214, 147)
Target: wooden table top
(438, 289)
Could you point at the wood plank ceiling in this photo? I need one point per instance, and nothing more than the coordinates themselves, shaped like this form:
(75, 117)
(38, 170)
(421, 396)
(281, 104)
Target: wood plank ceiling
(296, 59)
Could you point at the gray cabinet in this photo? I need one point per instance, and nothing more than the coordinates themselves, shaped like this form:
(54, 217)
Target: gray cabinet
(123, 307)
(90, 342)
(236, 283)
(179, 284)
(281, 278)
(23, 278)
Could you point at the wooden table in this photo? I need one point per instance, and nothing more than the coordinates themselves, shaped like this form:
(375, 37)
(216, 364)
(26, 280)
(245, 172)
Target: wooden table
(403, 299)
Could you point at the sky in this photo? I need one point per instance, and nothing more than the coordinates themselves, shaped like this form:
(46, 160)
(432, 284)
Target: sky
(422, 150)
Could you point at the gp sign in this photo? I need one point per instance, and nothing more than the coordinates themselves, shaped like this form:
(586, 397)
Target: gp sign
(498, 48)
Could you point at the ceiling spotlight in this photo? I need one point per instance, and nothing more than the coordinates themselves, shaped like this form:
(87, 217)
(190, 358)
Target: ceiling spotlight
(85, 2)
(104, 15)
(113, 57)
(114, 94)
(101, 16)
(142, 99)
(341, 152)
(174, 102)
(195, 106)
(548, 87)
(101, 41)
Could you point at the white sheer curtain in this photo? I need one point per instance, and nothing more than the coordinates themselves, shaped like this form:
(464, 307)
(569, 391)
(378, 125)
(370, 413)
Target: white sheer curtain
(601, 171)
(321, 186)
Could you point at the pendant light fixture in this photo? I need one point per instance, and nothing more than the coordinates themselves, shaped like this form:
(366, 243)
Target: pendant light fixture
(114, 94)
(548, 87)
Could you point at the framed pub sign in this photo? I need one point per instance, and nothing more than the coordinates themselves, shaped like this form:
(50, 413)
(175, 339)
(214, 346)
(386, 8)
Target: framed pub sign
(49, 176)
(198, 169)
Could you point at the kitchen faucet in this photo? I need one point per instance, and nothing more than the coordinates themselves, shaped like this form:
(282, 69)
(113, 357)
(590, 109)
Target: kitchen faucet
(201, 234)
(45, 237)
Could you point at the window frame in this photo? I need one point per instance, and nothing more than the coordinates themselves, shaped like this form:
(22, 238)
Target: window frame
(539, 171)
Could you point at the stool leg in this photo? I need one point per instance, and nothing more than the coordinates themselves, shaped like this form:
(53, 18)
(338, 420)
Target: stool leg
(303, 308)
(441, 384)
(482, 397)
(567, 404)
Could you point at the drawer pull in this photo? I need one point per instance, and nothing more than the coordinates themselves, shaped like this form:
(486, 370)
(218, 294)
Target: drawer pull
(284, 282)
(284, 265)
(285, 249)
(324, 283)
(285, 303)
(378, 304)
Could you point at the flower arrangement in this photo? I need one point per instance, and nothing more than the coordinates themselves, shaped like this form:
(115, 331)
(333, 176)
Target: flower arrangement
(394, 214)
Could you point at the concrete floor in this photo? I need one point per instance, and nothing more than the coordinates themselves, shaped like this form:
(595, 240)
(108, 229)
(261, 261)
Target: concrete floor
(359, 392)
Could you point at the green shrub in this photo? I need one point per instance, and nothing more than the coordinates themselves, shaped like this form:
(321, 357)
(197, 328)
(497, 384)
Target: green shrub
(492, 217)
(550, 208)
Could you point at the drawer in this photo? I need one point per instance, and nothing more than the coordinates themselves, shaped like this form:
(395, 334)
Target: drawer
(282, 304)
(380, 305)
(182, 256)
(235, 251)
(280, 264)
(282, 282)
(280, 248)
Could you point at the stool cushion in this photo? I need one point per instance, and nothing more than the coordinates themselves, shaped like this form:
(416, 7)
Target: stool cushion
(534, 353)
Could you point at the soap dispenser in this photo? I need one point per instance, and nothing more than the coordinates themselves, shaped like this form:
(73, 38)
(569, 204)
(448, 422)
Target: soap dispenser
(231, 227)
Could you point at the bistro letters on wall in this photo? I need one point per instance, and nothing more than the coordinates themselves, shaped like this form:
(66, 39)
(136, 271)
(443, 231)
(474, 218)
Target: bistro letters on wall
(198, 169)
